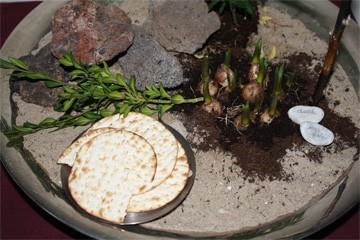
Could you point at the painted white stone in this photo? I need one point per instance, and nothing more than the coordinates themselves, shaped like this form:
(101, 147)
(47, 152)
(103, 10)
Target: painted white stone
(300, 113)
(316, 134)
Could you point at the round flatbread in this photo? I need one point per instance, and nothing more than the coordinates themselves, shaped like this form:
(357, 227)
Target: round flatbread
(101, 181)
(165, 192)
(68, 156)
(161, 139)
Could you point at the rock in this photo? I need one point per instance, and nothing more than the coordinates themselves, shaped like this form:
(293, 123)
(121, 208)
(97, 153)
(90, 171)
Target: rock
(37, 92)
(150, 63)
(316, 134)
(92, 32)
(300, 113)
(137, 10)
(181, 26)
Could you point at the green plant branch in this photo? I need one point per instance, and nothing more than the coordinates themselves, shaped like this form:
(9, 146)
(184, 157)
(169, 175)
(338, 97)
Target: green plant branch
(89, 96)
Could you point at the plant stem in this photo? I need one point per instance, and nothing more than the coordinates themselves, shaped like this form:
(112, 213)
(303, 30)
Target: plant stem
(227, 58)
(257, 52)
(245, 114)
(205, 78)
(277, 90)
(190, 100)
(334, 43)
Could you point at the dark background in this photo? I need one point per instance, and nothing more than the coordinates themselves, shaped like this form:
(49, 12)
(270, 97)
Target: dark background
(21, 218)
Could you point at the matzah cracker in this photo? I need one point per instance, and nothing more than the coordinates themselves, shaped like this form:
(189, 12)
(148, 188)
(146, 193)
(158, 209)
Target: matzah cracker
(166, 191)
(162, 140)
(68, 156)
(99, 181)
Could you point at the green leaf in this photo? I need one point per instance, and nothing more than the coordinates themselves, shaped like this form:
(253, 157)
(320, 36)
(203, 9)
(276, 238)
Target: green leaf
(76, 64)
(53, 84)
(177, 99)
(106, 112)
(22, 128)
(127, 110)
(65, 62)
(151, 94)
(120, 80)
(82, 121)
(106, 69)
(18, 63)
(5, 64)
(163, 93)
(155, 89)
(68, 104)
(30, 125)
(64, 95)
(132, 84)
(94, 69)
(116, 95)
(146, 110)
(77, 72)
(122, 107)
(47, 121)
(92, 115)
(163, 108)
(109, 79)
(69, 90)
(87, 87)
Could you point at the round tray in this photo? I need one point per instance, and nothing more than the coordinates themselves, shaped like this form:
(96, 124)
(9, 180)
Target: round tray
(318, 16)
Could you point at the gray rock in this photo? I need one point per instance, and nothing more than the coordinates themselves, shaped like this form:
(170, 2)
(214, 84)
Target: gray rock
(181, 26)
(300, 113)
(150, 63)
(92, 32)
(316, 134)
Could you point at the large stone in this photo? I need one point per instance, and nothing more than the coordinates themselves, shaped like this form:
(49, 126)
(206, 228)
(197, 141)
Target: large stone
(93, 32)
(150, 63)
(181, 26)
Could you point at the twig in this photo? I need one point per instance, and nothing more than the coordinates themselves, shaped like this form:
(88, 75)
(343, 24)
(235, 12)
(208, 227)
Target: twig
(334, 43)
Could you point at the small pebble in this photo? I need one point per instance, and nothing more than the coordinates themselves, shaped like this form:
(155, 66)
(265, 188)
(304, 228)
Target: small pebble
(316, 134)
(300, 113)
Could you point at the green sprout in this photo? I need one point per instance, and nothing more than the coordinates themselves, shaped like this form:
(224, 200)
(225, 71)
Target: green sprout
(257, 53)
(232, 5)
(258, 104)
(205, 78)
(233, 83)
(263, 66)
(277, 90)
(290, 79)
(227, 58)
(245, 114)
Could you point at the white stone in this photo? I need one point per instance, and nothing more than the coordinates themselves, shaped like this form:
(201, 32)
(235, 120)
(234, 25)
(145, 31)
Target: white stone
(316, 134)
(300, 113)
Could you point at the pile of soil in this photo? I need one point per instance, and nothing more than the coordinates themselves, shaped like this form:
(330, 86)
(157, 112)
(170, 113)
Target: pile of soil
(258, 149)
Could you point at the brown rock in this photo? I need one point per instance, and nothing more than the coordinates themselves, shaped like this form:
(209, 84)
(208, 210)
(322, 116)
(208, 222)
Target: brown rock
(92, 32)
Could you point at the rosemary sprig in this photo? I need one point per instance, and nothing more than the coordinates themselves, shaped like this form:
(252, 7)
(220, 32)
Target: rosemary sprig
(93, 93)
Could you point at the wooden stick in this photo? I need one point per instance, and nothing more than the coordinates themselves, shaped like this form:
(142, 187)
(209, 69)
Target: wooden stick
(334, 43)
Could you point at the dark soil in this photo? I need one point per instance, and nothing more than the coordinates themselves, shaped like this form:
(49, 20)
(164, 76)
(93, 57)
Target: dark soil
(259, 148)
